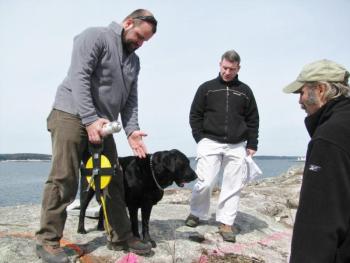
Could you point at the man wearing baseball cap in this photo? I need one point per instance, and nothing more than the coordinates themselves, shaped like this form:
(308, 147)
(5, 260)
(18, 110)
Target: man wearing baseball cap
(322, 224)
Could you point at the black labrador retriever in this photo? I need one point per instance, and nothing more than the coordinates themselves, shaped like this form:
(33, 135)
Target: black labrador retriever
(144, 183)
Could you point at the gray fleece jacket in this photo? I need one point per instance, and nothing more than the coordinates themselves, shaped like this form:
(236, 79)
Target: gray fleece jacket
(101, 80)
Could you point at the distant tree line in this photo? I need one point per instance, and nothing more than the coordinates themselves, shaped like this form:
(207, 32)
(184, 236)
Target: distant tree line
(24, 157)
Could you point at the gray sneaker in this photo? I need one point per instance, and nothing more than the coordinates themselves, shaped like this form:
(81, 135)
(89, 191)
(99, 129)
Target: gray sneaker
(51, 254)
(192, 221)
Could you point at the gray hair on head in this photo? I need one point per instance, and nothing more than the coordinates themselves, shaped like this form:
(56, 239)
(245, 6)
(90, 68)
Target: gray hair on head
(334, 89)
(232, 56)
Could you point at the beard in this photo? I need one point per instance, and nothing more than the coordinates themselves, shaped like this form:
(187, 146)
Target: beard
(312, 103)
(312, 98)
(128, 45)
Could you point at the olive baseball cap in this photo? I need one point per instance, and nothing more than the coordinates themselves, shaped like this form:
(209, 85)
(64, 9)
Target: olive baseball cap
(322, 70)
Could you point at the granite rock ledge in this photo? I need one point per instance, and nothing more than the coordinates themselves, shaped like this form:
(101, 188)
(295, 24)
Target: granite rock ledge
(265, 220)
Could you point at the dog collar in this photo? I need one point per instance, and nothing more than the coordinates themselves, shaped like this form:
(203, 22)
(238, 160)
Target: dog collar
(153, 175)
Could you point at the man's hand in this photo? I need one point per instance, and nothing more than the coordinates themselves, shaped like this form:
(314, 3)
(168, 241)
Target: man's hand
(250, 152)
(135, 141)
(94, 130)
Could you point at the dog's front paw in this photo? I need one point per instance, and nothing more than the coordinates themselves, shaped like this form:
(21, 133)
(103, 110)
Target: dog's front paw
(151, 241)
(100, 228)
(82, 231)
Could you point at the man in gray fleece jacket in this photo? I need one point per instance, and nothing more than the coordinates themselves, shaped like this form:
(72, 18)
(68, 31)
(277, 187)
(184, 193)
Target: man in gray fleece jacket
(101, 84)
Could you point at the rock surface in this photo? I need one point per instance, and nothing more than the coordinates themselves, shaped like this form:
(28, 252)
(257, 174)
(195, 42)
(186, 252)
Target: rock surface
(265, 220)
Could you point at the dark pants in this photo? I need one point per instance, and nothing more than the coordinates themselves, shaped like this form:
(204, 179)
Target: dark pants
(69, 148)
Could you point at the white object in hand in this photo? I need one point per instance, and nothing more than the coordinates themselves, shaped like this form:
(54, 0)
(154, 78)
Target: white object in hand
(252, 169)
(111, 127)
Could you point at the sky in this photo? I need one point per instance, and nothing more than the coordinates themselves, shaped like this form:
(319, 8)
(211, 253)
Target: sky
(275, 39)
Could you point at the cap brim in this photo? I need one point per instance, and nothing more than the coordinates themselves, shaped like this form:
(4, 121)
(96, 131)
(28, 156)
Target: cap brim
(293, 87)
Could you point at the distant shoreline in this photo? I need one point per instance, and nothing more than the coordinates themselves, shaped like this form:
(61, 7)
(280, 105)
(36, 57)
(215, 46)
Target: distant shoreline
(34, 157)
(30, 157)
(27, 160)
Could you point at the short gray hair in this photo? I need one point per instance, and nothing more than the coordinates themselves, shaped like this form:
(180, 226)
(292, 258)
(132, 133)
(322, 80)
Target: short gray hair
(232, 56)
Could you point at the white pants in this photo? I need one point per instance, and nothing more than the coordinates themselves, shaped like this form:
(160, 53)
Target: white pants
(211, 156)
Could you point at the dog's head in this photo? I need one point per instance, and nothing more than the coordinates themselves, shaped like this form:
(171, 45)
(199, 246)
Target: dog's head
(172, 166)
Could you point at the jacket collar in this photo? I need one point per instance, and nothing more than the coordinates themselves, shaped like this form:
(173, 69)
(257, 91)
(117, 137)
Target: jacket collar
(313, 121)
(231, 83)
(116, 28)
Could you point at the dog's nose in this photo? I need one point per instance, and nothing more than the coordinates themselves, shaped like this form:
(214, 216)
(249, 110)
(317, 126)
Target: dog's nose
(193, 175)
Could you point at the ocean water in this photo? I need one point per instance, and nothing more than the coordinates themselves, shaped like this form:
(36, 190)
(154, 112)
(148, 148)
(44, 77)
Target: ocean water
(22, 182)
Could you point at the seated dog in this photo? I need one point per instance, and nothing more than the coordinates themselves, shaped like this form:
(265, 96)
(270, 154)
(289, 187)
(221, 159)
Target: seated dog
(144, 183)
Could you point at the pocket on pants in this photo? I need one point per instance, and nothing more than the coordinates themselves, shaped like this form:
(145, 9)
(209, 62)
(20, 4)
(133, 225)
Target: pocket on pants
(201, 147)
(49, 120)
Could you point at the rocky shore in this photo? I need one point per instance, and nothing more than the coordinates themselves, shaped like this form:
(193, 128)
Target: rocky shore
(265, 220)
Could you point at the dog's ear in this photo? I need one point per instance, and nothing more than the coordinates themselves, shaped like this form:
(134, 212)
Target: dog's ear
(170, 161)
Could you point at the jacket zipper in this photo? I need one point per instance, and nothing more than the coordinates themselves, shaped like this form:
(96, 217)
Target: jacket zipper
(226, 116)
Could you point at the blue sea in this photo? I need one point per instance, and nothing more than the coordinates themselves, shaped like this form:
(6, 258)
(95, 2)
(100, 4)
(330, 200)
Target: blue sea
(22, 181)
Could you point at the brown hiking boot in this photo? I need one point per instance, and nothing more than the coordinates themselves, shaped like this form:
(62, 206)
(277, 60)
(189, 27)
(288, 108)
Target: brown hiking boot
(51, 254)
(133, 244)
(228, 233)
(192, 221)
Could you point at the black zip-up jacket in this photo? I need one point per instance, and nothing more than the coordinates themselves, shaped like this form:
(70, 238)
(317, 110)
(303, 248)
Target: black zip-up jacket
(225, 112)
(322, 225)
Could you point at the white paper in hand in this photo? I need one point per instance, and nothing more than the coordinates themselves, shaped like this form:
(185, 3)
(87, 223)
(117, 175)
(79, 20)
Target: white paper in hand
(253, 169)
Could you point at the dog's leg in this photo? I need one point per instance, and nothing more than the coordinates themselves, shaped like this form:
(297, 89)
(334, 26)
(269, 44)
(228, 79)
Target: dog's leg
(85, 198)
(100, 224)
(134, 221)
(146, 214)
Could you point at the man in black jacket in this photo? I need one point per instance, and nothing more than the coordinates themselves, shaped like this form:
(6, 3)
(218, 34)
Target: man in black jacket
(322, 225)
(225, 123)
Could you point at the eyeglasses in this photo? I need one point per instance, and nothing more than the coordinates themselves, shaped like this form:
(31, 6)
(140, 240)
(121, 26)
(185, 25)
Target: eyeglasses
(149, 19)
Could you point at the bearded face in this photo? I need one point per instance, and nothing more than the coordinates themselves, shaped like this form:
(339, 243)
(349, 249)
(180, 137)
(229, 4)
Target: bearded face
(135, 35)
(310, 99)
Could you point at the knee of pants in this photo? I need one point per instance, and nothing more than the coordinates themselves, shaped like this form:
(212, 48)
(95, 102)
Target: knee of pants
(202, 186)
(68, 190)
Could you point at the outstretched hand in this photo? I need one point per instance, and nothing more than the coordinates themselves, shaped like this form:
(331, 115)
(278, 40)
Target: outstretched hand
(136, 143)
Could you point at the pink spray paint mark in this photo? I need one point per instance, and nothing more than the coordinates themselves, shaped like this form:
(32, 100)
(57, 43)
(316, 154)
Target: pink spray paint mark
(128, 258)
(274, 237)
(203, 259)
(235, 248)
(239, 248)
